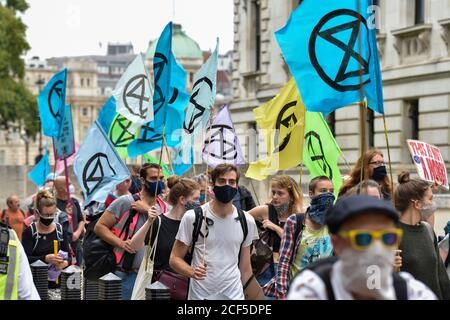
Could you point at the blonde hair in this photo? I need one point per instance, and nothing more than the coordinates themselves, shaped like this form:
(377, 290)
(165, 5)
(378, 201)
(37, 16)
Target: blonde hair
(44, 199)
(286, 182)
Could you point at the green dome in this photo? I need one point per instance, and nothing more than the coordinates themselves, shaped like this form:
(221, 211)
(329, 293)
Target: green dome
(182, 45)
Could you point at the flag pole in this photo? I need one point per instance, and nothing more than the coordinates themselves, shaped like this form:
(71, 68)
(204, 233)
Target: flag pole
(168, 153)
(69, 205)
(254, 191)
(362, 105)
(160, 158)
(206, 189)
(389, 155)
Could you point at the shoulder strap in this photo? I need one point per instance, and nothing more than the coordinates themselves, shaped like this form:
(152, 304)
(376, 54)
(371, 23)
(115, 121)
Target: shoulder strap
(196, 231)
(59, 232)
(300, 219)
(400, 287)
(3, 214)
(34, 235)
(273, 216)
(244, 226)
(323, 269)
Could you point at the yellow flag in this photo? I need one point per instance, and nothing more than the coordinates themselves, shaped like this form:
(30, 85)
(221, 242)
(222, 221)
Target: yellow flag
(282, 120)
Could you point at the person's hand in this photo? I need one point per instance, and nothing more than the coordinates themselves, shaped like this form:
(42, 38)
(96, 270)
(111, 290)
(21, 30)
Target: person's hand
(76, 235)
(52, 259)
(437, 185)
(199, 272)
(126, 245)
(140, 206)
(398, 261)
(62, 265)
(152, 213)
(267, 224)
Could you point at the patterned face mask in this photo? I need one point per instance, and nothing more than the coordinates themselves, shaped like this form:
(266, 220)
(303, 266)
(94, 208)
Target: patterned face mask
(283, 208)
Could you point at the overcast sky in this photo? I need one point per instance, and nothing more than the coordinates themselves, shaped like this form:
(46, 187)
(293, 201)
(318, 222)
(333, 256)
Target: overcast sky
(77, 27)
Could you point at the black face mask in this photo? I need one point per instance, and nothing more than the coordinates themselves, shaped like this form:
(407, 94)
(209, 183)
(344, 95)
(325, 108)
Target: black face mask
(379, 173)
(46, 221)
(224, 194)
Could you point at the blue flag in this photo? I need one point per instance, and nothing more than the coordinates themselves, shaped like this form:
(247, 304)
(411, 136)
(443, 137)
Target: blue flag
(148, 138)
(51, 103)
(97, 166)
(182, 160)
(330, 47)
(162, 65)
(40, 172)
(65, 143)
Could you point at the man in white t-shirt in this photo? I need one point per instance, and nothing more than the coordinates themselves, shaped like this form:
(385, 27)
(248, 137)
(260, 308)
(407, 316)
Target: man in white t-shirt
(365, 237)
(221, 262)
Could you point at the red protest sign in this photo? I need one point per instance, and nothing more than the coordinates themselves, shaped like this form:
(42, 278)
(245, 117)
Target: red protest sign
(429, 162)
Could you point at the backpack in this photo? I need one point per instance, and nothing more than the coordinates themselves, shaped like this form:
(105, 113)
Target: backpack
(323, 268)
(98, 255)
(198, 225)
(35, 235)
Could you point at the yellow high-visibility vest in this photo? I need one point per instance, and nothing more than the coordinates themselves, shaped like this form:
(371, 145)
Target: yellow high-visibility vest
(9, 282)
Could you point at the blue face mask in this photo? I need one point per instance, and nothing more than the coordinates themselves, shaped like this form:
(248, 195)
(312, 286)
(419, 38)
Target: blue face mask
(150, 187)
(319, 207)
(202, 198)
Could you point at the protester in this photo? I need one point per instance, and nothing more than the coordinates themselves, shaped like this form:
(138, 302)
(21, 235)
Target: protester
(367, 187)
(220, 242)
(135, 186)
(20, 285)
(305, 238)
(202, 180)
(184, 195)
(444, 250)
(124, 217)
(13, 216)
(38, 239)
(243, 199)
(287, 199)
(374, 169)
(121, 190)
(365, 236)
(419, 248)
(71, 218)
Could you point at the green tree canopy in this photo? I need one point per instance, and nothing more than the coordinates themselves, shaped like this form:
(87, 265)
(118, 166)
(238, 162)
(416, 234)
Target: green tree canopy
(18, 107)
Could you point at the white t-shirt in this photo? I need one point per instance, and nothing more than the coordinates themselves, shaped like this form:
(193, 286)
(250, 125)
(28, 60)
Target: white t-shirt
(309, 286)
(223, 243)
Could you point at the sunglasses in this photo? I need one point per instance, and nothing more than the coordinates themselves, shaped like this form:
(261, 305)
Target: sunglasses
(363, 239)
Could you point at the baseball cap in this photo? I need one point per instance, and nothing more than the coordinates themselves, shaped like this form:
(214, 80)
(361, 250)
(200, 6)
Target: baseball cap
(348, 207)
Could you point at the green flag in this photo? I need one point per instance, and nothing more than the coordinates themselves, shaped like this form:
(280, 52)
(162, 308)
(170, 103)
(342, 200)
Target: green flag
(149, 159)
(320, 151)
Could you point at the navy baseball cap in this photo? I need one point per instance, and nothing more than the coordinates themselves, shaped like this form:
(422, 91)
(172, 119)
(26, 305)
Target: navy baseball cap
(348, 207)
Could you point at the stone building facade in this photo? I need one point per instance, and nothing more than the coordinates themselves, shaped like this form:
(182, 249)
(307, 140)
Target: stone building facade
(414, 47)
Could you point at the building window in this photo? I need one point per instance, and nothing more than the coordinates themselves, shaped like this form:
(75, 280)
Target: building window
(419, 12)
(413, 117)
(84, 112)
(255, 25)
(370, 128)
(331, 120)
(82, 82)
(88, 82)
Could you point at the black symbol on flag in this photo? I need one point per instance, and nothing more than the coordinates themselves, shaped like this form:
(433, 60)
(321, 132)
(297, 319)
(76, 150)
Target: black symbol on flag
(315, 150)
(94, 172)
(158, 69)
(199, 110)
(149, 135)
(350, 49)
(285, 123)
(135, 89)
(227, 149)
(57, 89)
(119, 134)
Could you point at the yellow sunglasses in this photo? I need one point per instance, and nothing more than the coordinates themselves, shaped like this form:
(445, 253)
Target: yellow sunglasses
(363, 239)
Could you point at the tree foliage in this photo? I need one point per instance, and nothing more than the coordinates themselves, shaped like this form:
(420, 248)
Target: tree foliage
(18, 107)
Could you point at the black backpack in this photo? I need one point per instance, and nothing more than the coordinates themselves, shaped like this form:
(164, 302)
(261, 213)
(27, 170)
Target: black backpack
(323, 269)
(35, 235)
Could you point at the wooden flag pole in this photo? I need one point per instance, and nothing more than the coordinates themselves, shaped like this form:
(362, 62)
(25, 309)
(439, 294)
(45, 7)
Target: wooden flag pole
(160, 159)
(69, 204)
(389, 155)
(168, 154)
(206, 189)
